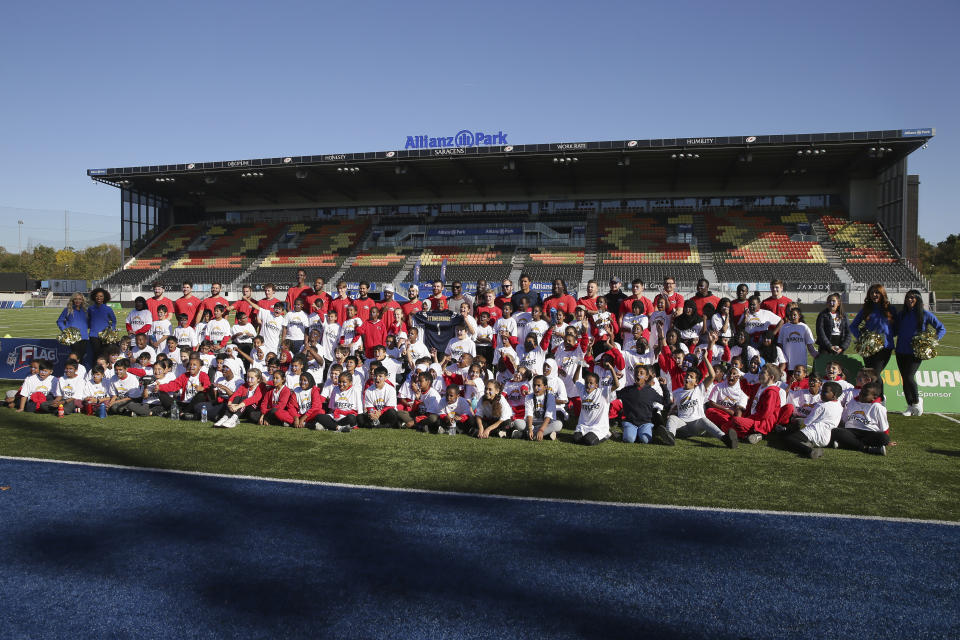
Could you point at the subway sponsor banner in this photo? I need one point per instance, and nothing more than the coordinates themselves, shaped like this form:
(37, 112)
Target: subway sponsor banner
(16, 354)
(938, 381)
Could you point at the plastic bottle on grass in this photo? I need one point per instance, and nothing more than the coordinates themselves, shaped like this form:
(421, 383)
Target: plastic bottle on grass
(59, 410)
(174, 412)
(203, 413)
(102, 410)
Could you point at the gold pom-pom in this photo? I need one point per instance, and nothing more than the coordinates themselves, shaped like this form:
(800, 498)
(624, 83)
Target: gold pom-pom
(111, 336)
(869, 343)
(925, 345)
(70, 335)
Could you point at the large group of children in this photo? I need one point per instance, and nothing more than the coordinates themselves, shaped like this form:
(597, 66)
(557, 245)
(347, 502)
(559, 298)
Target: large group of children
(519, 365)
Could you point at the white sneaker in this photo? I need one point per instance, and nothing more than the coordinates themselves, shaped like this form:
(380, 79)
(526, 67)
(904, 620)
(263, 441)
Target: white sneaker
(222, 420)
(910, 410)
(754, 438)
(918, 408)
(553, 435)
(516, 434)
(231, 422)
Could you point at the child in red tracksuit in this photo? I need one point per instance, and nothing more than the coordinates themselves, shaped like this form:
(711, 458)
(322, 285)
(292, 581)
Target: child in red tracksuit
(764, 411)
(278, 405)
(189, 390)
(245, 401)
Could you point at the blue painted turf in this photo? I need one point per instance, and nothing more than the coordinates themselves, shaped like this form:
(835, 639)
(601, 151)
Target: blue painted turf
(107, 553)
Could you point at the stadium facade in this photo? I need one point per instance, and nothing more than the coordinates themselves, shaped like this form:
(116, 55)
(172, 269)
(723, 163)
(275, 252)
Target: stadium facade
(827, 209)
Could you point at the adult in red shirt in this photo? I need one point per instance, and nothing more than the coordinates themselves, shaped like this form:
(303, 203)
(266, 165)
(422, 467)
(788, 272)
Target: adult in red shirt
(246, 304)
(294, 292)
(506, 294)
(437, 300)
(363, 302)
(270, 299)
(704, 296)
(414, 304)
(318, 300)
(387, 303)
(340, 302)
(188, 303)
(589, 301)
(211, 301)
(740, 306)
(627, 305)
(157, 300)
(373, 331)
(777, 303)
(560, 300)
(488, 303)
(670, 295)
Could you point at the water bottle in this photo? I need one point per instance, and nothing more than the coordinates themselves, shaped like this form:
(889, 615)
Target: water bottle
(175, 412)
(203, 413)
(453, 429)
(59, 410)
(102, 411)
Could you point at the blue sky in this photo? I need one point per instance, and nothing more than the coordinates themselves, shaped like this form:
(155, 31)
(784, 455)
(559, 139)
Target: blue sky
(127, 83)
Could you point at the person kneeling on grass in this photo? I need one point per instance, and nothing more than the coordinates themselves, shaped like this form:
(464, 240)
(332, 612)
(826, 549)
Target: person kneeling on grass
(425, 405)
(540, 414)
(817, 427)
(687, 417)
(593, 425)
(379, 402)
(864, 426)
(343, 407)
(123, 388)
(493, 415)
(96, 392)
(245, 402)
(642, 404)
(454, 411)
(188, 390)
(149, 404)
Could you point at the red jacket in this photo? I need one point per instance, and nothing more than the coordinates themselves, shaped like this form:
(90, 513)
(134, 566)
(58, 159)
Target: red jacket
(766, 409)
(363, 306)
(317, 302)
(316, 404)
(210, 303)
(180, 384)
(240, 395)
(284, 401)
(495, 313)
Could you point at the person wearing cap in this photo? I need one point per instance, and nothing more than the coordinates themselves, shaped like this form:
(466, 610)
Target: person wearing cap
(525, 292)
(458, 297)
(387, 303)
(414, 304)
(615, 296)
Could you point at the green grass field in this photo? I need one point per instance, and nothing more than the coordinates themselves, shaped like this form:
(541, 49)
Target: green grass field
(947, 285)
(917, 479)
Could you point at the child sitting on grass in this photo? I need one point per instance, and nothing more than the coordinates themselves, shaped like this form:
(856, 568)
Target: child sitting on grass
(864, 425)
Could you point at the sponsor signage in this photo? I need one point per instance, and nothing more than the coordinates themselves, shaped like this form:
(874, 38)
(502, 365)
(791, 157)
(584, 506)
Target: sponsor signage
(571, 146)
(478, 231)
(97, 172)
(335, 156)
(692, 141)
(814, 286)
(238, 163)
(463, 138)
(918, 133)
(455, 151)
(16, 354)
(938, 381)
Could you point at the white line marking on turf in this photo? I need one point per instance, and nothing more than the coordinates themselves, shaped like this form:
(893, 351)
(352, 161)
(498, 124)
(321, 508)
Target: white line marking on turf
(947, 417)
(762, 512)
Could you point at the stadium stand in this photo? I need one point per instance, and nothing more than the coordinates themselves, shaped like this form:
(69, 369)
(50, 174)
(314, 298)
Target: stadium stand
(754, 246)
(376, 266)
(635, 245)
(545, 265)
(467, 264)
(167, 246)
(318, 247)
(219, 254)
(866, 253)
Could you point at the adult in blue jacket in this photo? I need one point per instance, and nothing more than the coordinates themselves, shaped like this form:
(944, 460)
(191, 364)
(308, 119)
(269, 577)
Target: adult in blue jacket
(913, 319)
(878, 315)
(75, 315)
(100, 316)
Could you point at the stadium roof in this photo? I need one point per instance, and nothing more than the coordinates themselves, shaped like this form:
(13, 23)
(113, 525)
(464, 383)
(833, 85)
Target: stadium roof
(801, 162)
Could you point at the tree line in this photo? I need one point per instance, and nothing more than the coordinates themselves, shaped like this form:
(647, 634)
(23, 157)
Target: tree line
(45, 263)
(944, 257)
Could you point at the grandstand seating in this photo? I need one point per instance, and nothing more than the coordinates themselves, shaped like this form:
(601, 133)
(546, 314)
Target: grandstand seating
(168, 245)
(376, 266)
(866, 254)
(227, 251)
(635, 245)
(468, 264)
(546, 265)
(320, 248)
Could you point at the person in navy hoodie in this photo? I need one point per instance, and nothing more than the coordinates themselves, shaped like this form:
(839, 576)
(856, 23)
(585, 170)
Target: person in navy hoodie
(100, 316)
(75, 315)
(913, 319)
(880, 316)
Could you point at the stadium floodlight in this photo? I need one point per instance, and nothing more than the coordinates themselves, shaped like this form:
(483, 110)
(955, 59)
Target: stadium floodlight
(252, 174)
(301, 174)
(165, 179)
(348, 169)
(210, 179)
